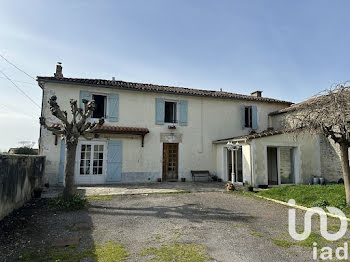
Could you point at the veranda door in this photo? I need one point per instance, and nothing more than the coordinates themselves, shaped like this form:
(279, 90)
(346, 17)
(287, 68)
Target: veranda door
(92, 163)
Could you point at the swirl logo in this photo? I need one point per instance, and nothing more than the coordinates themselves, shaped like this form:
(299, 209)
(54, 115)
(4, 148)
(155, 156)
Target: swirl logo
(323, 223)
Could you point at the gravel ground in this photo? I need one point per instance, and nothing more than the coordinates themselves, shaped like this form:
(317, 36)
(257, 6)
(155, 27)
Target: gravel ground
(232, 227)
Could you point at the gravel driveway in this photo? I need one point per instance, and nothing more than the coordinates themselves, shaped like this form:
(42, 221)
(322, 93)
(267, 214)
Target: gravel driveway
(231, 227)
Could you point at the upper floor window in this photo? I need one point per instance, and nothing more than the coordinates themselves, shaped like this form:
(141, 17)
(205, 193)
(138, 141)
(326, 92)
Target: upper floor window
(101, 106)
(170, 114)
(248, 120)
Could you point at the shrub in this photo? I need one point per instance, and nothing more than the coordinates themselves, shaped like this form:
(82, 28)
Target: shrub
(321, 203)
(59, 204)
(25, 151)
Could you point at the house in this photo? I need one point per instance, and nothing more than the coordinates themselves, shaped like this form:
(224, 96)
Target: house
(154, 131)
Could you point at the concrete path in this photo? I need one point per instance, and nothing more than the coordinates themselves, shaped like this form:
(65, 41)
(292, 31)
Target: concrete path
(145, 188)
(152, 188)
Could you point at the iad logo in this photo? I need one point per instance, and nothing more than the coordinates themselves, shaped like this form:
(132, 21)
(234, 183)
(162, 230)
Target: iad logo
(326, 252)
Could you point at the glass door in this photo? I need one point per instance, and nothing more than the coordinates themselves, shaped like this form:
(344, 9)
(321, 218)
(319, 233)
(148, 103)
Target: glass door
(91, 163)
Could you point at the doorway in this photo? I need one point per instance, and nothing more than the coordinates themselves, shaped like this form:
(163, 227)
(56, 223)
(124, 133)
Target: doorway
(237, 165)
(170, 161)
(272, 166)
(91, 164)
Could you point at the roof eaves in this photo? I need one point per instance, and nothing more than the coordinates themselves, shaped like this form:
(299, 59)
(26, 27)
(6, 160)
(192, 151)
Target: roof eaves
(152, 88)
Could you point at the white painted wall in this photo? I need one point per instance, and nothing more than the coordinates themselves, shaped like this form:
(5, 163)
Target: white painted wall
(209, 119)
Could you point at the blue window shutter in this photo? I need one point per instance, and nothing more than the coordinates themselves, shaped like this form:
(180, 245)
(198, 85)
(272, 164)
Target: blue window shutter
(183, 113)
(160, 111)
(114, 161)
(113, 107)
(84, 95)
(254, 118)
(62, 161)
(243, 116)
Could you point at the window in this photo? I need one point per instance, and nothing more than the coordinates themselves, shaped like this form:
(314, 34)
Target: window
(170, 112)
(248, 117)
(101, 105)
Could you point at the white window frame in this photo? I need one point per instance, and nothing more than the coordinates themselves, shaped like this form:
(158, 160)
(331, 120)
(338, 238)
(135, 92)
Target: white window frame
(177, 111)
(296, 162)
(87, 179)
(106, 104)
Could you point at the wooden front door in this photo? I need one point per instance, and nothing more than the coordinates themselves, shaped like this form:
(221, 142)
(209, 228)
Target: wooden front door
(170, 161)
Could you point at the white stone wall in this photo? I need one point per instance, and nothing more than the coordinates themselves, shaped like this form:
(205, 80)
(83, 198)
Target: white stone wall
(209, 119)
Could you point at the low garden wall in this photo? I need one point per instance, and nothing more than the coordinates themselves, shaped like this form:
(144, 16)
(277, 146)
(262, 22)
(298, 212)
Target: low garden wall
(19, 174)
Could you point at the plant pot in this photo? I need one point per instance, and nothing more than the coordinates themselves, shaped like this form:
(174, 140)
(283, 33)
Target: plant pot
(183, 179)
(250, 189)
(159, 180)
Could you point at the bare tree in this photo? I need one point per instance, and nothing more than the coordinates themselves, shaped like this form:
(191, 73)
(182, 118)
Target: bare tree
(70, 131)
(328, 113)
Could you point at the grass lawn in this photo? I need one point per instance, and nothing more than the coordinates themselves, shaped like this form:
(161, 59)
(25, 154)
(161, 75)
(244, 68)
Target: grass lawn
(310, 196)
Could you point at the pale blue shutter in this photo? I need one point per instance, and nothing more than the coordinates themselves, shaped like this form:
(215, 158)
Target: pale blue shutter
(113, 107)
(160, 111)
(84, 95)
(114, 161)
(62, 161)
(183, 113)
(243, 116)
(254, 118)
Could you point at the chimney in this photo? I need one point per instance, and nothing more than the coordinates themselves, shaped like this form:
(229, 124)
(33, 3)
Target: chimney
(256, 93)
(58, 73)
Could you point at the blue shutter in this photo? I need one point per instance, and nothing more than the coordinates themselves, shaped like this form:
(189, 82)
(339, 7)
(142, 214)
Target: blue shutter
(84, 95)
(114, 161)
(183, 113)
(243, 116)
(62, 161)
(254, 118)
(160, 111)
(113, 107)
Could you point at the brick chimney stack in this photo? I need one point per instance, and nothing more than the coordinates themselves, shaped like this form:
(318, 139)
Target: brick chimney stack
(256, 93)
(58, 73)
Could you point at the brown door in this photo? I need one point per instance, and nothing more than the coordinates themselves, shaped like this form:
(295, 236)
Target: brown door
(170, 161)
(272, 165)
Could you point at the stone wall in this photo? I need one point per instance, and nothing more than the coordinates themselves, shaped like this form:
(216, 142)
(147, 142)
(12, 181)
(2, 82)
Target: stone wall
(331, 168)
(19, 174)
(286, 171)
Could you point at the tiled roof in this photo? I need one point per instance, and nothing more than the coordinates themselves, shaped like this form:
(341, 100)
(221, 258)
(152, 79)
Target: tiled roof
(157, 88)
(122, 130)
(294, 107)
(118, 130)
(257, 135)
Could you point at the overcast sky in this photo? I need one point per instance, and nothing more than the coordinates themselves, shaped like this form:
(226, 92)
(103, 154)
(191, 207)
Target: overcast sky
(289, 49)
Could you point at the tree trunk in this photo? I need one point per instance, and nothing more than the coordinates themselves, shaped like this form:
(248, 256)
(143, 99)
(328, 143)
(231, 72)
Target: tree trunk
(344, 153)
(69, 171)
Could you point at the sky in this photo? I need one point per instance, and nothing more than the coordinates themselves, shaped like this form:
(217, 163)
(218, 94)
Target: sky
(289, 49)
